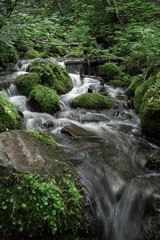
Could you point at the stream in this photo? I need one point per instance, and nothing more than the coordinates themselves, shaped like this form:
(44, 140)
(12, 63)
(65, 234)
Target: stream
(110, 155)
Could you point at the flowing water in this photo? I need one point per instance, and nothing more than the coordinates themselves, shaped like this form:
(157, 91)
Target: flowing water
(110, 154)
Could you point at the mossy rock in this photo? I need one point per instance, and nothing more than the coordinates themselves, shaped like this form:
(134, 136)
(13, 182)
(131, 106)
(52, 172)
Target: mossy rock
(135, 82)
(44, 99)
(31, 53)
(26, 83)
(116, 83)
(54, 76)
(140, 91)
(9, 117)
(109, 70)
(92, 101)
(150, 112)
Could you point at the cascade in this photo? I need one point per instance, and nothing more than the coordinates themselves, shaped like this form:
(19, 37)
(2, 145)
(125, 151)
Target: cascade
(110, 154)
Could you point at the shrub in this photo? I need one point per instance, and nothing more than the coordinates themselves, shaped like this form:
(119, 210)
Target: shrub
(44, 99)
(109, 70)
(92, 101)
(26, 83)
(9, 117)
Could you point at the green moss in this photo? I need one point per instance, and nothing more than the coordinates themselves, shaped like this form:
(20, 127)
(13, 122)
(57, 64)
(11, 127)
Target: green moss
(108, 55)
(62, 82)
(42, 136)
(44, 99)
(32, 54)
(92, 101)
(37, 207)
(150, 112)
(26, 83)
(54, 76)
(135, 82)
(9, 117)
(116, 83)
(109, 70)
(76, 54)
(140, 91)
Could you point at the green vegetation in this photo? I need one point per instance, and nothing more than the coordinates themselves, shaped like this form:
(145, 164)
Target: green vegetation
(9, 117)
(92, 101)
(37, 207)
(44, 99)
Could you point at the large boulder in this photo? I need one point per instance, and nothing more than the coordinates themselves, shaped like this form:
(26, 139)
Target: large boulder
(9, 117)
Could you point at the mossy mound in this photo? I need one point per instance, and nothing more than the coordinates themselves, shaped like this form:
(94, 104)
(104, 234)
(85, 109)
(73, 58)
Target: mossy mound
(26, 83)
(92, 101)
(140, 91)
(9, 117)
(150, 112)
(31, 53)
(109, 70)
(116, 83)
(44, 99)
(54, 76)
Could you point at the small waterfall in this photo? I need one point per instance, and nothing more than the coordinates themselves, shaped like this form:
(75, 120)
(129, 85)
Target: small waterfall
(107, 150)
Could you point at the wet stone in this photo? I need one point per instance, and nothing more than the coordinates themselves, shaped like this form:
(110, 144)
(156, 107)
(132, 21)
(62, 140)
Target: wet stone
(76, 131)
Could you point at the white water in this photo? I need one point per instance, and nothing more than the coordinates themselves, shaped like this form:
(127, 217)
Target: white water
(110, 159)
